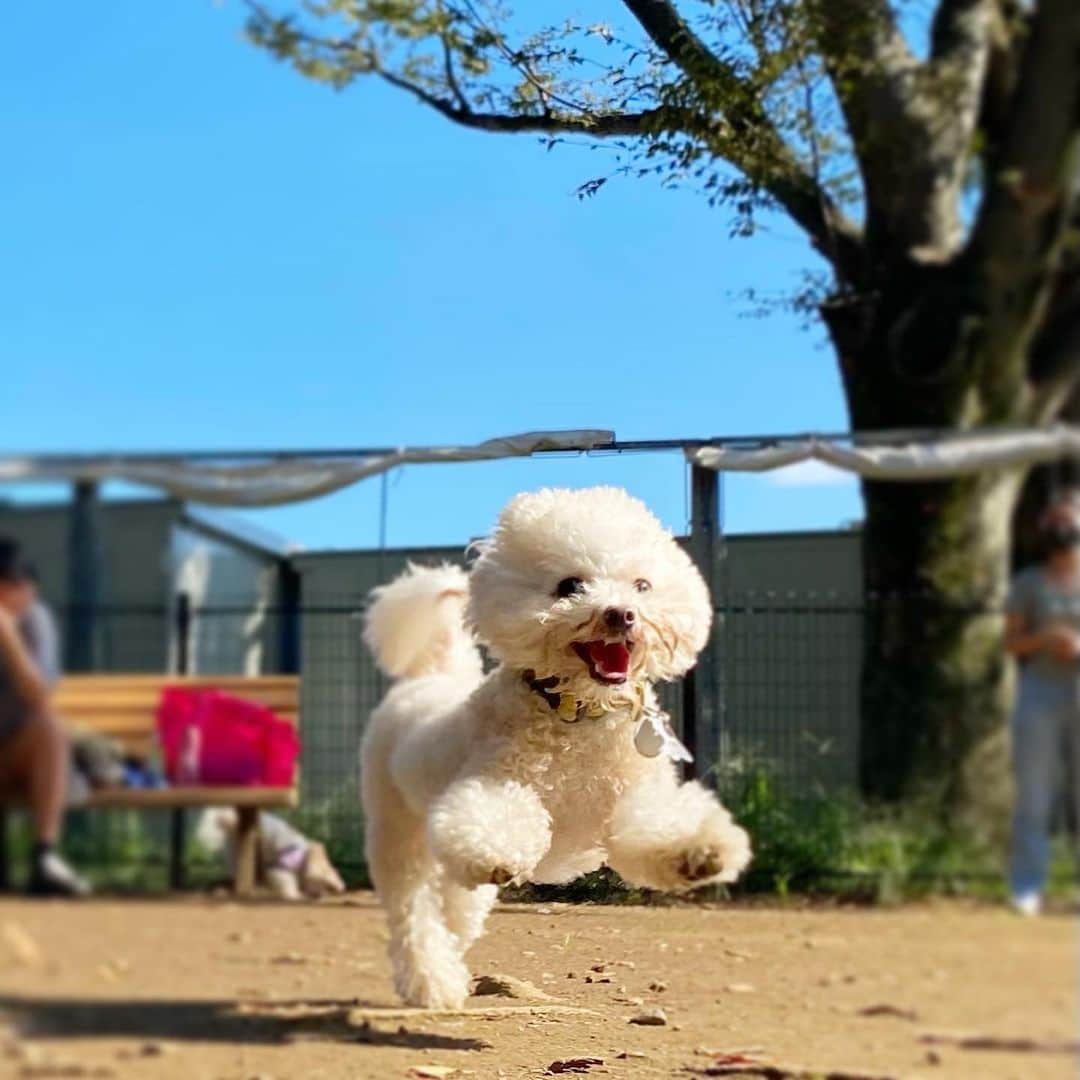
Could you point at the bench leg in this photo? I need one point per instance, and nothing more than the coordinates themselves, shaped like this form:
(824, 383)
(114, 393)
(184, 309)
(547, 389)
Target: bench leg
(247, 850)
(176, 851)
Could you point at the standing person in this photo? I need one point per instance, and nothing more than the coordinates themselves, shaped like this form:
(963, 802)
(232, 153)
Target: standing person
(1043, 632)
(34, 752)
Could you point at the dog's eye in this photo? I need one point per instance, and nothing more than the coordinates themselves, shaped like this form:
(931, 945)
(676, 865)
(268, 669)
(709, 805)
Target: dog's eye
(569, 586)
(642, 585)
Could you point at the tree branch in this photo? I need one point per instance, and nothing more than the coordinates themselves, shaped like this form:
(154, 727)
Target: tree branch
(911, 123)
(1018, 256)
(1061, 363)
(1054, 366)
(955, 30)
(671, 33)
(599, 125)
(749, 140)
(1024, 217)
(1007, 38)
(457, 108)
(448, 68)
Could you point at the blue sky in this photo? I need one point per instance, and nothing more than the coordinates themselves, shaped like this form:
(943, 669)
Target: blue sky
(204, 250)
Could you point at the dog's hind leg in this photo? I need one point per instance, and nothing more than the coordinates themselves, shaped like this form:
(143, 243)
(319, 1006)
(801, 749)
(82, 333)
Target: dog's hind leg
(427, 958)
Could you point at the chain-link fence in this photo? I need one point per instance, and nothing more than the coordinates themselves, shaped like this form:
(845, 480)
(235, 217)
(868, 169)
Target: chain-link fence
(788, 703)
(788, 687)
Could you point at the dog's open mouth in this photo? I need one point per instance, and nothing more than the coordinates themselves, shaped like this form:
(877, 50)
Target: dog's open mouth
(608, 661)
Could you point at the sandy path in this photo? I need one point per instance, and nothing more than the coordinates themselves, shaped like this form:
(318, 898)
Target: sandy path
(196, 988)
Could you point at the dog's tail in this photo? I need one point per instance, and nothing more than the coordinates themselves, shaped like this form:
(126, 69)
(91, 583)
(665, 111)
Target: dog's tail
(414, 625)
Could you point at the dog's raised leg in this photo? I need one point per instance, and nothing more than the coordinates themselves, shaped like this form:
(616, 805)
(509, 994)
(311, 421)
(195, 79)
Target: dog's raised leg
(487, 831)
(467, 909)
(674, 837)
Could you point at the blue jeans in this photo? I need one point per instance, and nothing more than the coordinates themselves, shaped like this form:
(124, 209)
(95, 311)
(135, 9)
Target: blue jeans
(1046, 734)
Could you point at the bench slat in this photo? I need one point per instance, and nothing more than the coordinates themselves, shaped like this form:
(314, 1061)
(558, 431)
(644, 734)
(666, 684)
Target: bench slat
(223, 681)
(133, 723)
(68, 706)
(173, 797)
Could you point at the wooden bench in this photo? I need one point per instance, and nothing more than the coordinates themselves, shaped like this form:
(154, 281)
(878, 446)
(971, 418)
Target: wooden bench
(124, 709)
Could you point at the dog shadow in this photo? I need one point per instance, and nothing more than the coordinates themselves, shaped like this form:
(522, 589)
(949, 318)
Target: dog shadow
(273, 1023)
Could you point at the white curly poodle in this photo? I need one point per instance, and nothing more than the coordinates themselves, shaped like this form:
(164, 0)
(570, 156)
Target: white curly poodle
(556, 762)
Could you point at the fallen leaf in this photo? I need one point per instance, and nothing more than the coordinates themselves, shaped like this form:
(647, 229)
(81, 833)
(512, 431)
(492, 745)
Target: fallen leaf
(738, 1059)
(889, 1010)
(574, 1065)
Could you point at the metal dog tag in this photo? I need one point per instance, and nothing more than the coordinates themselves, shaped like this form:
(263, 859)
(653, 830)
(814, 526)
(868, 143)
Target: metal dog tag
(655, 736)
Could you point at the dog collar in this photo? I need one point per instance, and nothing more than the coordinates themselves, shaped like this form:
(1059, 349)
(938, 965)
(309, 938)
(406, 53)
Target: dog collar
(654, 735)
(564, 704)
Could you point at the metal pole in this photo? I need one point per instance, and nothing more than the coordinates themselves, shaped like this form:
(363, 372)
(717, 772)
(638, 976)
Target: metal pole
(182, 629)
(384, 504)
(704, 697)
(289, 627)
(177, 824)
(85, 561)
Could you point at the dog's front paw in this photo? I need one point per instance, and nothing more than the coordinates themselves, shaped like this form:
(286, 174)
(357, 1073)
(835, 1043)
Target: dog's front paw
(722, 858)
(488, 832)
(699, 864)
(486, 873)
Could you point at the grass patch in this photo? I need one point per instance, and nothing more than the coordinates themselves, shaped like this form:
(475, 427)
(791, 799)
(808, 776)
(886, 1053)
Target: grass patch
(817, 845)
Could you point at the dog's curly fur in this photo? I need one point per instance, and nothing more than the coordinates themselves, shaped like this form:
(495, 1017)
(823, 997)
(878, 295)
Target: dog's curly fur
(472, 781)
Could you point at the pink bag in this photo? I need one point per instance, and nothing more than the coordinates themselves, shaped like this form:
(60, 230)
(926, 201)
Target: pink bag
(212, 738)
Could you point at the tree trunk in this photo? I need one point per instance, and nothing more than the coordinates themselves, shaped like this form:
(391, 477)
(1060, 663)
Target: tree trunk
(936, 688)
(935, 684)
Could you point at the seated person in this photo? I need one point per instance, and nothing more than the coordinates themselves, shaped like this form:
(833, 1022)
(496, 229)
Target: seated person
(34, 752)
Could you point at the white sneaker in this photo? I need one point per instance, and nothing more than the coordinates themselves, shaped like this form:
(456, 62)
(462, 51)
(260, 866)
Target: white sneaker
(52, 876)
(1028, 903)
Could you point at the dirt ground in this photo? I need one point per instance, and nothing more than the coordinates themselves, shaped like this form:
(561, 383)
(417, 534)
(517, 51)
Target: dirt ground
(195, 988)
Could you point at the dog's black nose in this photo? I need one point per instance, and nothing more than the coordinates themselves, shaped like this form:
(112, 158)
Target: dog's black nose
(619, 618)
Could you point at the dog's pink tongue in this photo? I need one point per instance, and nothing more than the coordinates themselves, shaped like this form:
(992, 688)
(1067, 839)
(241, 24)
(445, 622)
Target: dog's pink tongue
(610, 658)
